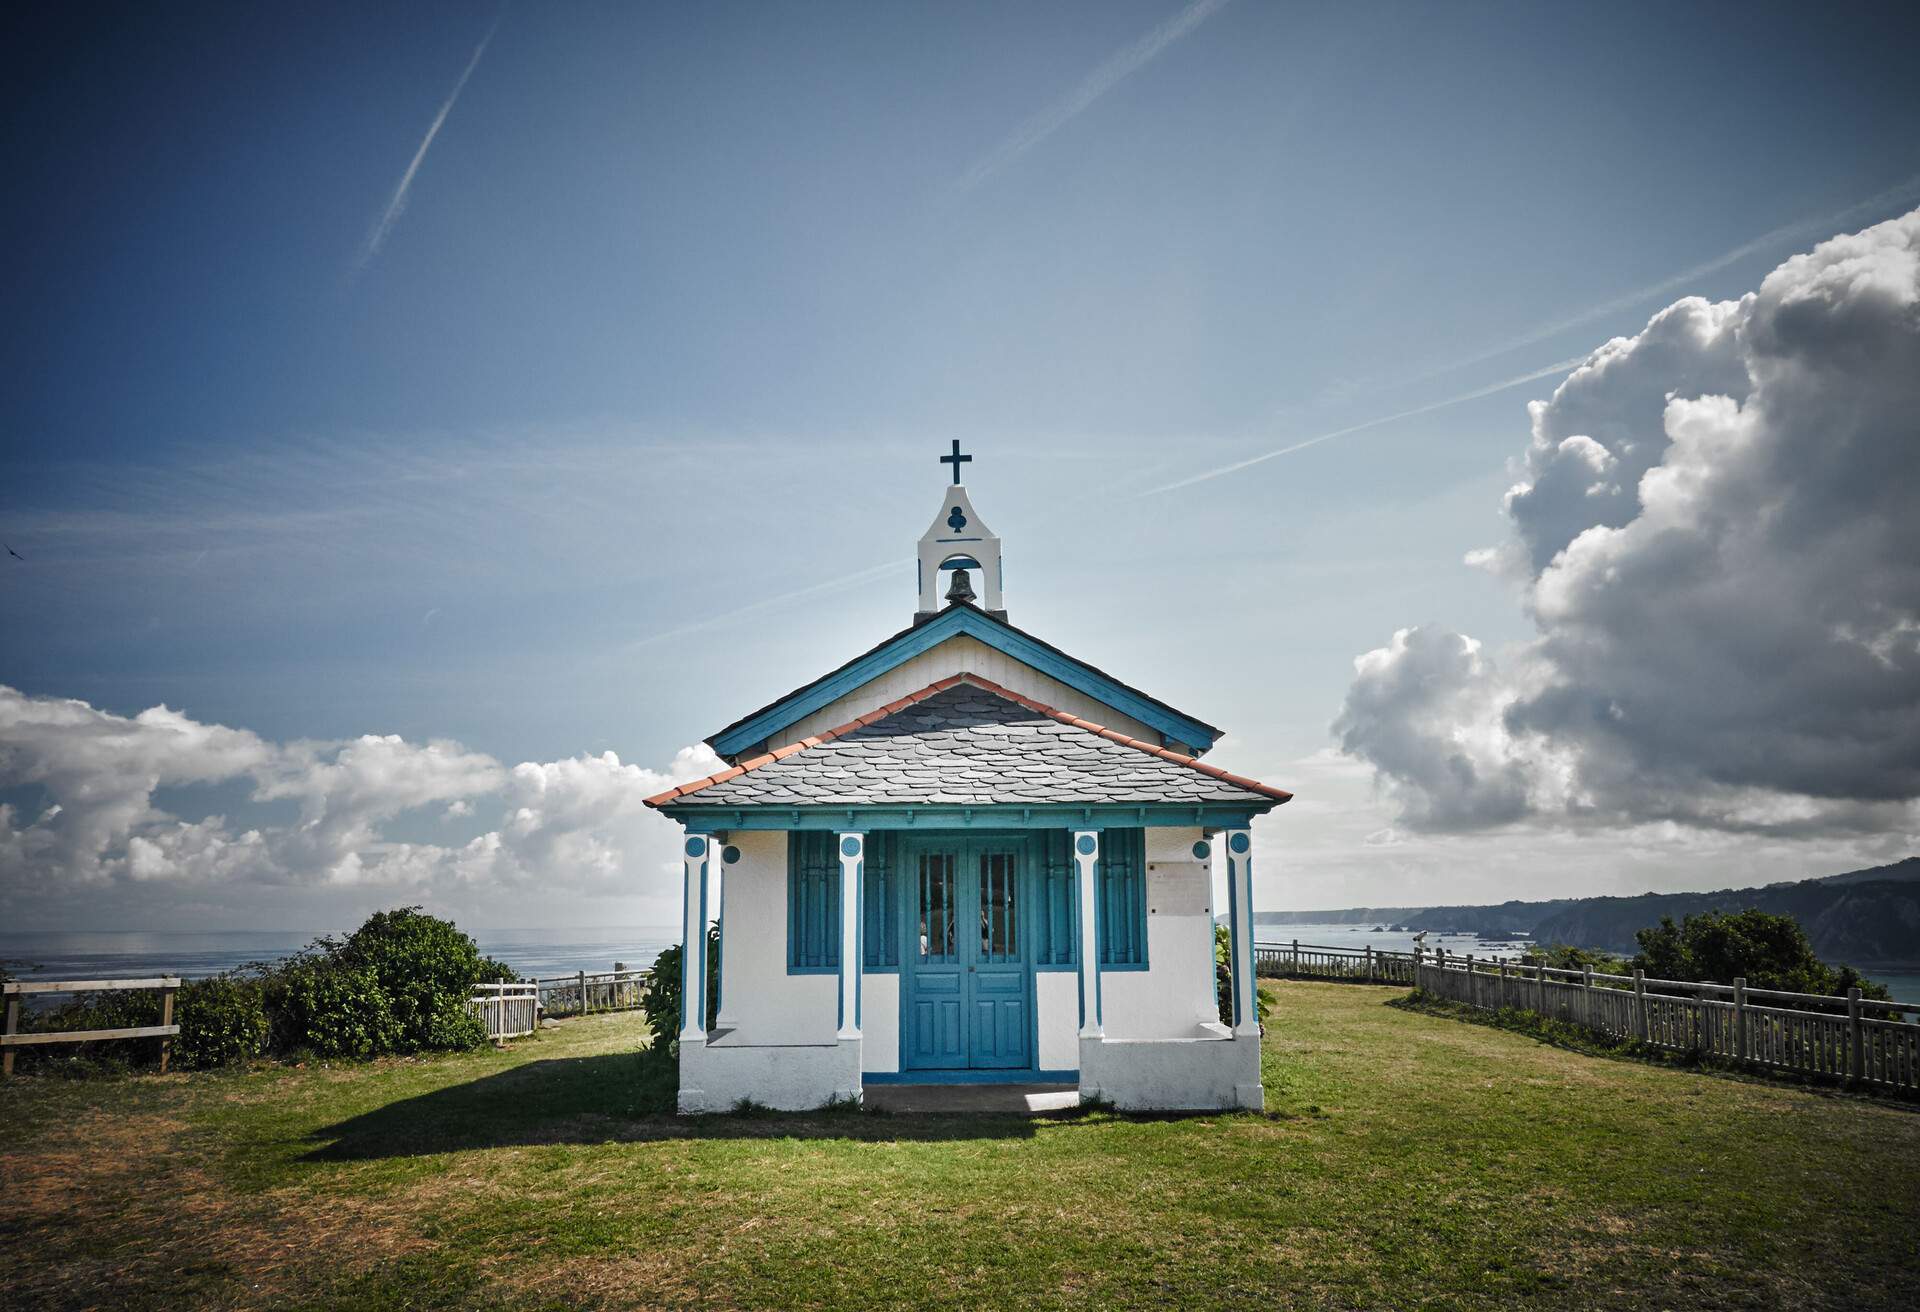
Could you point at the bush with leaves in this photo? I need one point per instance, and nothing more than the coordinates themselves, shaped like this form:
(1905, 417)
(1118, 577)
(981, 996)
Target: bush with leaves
(426, 969)
(1561, 956)
(1223, 978)
(223, 1021)
(1768, 951)
(662, 1000)
(320, 1006)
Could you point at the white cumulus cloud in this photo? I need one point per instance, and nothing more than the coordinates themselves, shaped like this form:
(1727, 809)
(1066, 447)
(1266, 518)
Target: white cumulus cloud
(1715, 529)
(91, 827)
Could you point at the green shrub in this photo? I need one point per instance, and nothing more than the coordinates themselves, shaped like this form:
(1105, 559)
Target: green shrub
(424, 967)
(317, 1004)
(1768, 951)
(1560, 956)
(661, 1001)
(497, 972)
(1223, 978)
(223, 1021)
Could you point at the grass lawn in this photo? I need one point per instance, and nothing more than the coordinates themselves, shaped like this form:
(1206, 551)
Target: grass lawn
(1407, 1160)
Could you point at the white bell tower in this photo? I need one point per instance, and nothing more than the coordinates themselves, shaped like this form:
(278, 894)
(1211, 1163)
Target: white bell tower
(958, 539)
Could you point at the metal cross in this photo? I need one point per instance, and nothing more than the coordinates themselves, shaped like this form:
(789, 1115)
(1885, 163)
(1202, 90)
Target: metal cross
(956, 460)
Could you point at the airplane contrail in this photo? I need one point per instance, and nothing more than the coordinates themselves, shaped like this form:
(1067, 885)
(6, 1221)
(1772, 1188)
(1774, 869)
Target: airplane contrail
(1095, 85)
(1558, 367)
(395, 207)
(818, 589)
(1824, 225)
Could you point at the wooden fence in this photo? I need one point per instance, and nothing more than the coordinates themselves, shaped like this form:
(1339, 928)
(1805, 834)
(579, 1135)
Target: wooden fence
(512, 1010)
(11, 1038)
(584, 991)
(1315, 961)
(1873, 1044)
(507, 1010)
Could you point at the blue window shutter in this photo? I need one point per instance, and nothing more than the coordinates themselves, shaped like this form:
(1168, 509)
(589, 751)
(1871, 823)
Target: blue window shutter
(813, 902)
(1055, 943)
(1122, 898)
(880, 903)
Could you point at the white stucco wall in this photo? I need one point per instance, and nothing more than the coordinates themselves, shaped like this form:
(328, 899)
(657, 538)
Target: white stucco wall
(717, 1078)
(1201, 1074)
(961, 654)
(765, 1004)
(879, 1022)
(1174, 996)
(1056, 1000)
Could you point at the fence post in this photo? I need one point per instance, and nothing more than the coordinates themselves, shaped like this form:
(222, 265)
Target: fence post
(1586, 996)
(166, 1018)
(1640, 1004)
(13, 1027)
(1740, 1017)
(1296, 956)
(581, 981)
(1856, 1052)
(1369, 963)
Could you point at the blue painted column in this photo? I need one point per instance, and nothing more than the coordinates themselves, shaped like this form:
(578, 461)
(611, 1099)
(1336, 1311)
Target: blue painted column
(1086, 860)
(853, 848)
(693, 956)
(1246, 1007)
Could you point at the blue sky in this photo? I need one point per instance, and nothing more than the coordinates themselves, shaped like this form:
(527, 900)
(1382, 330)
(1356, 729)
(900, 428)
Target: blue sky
(682, 303)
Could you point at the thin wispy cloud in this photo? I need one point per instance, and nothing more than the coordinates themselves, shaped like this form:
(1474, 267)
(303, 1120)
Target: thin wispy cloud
(1879, 205)
(1558, 367)
(1096, 84)
(377, 238)
(845, 581)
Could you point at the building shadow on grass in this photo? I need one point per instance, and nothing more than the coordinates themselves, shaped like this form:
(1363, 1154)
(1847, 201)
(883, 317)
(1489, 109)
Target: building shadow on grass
(620, 1098)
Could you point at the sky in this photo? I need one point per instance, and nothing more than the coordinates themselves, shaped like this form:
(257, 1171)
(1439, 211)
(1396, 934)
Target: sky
(421, 428)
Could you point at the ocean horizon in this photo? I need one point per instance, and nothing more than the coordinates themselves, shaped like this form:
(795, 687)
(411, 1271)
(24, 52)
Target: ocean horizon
(544, 953)
(197, 954)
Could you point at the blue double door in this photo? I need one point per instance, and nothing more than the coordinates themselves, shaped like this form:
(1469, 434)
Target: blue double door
(967, 980)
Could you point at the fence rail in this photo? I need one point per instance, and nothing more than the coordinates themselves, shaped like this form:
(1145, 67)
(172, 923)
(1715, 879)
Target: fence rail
(11, 1037)
(1874, 1044)
(585, 991)
(512, 1010)
(507, 1010)
(1317, 961)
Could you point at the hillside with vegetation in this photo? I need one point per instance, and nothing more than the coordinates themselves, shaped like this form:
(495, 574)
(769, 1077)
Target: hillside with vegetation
(1869, 918)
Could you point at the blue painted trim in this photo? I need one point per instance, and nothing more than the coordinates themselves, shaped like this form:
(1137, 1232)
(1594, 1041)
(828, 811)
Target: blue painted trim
(708, 819)
(959, 562)
(720, 948)
(859, 931)
(697, 996)
(948, 623)
(828, 914)
(1056, 966)
(1233, 934)
(971, 1077)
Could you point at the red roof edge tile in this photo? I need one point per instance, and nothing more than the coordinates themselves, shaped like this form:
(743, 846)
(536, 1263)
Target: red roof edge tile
(941, 685)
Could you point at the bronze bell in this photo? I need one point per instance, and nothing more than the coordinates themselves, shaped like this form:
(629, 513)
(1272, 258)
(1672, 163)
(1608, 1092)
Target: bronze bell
(961, 589)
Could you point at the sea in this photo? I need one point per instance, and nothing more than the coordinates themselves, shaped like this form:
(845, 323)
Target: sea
(132, 954)
(540, 953)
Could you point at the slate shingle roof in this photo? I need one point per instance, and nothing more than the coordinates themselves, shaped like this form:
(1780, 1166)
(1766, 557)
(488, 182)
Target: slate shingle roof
(966, 741)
